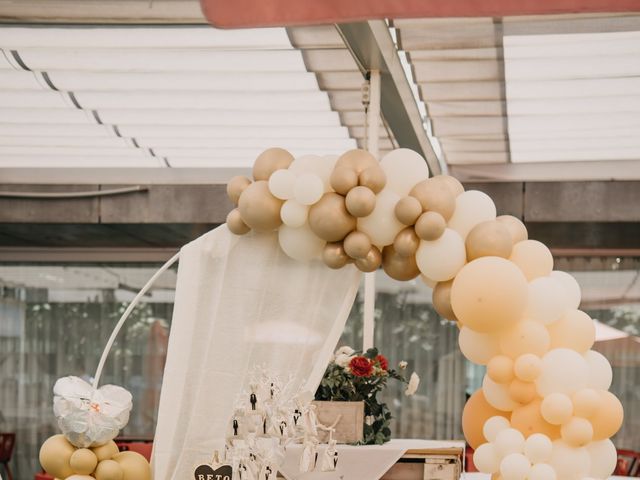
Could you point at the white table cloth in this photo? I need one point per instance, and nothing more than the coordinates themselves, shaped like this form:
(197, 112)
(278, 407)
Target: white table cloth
(368, 462)
(484, 476)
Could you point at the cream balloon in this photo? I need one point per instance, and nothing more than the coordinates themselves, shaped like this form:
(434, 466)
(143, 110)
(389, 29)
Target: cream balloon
(527, 367)
(381, 225)
(577, 432)
(542, 471)
(563, 371)
(537, 448)
(604, 458)
(493, 426)
(509, 441)
(500, 369)
(585, 402)
(547, 302)
(526, 336)
(486, 459)
(441, 259)
(404, 168)
(282, 183)
(478, 347)
(575, 330)
(294, 214)
(556, 408)
(308, 189)
(306, 164)
(300, 243)
(533, 258)
(497, 395)
(515, 466)
(607, 420)
(570, 463)
(515, 226)
(600, 372)
(570, 287)
(472, 207)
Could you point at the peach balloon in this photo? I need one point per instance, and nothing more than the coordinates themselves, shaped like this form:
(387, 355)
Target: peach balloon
(334, 255)
(360, 201)
(527, 367)
(489, 294)
(398, 266)
(526, 336)
(488, 239)
(570, 463)
(236, 186)
(497, 394)
(55, 454)
(577, 432)
(500, 369)
(357, 245)
(516, 228)
(269, 161)
(478, 347)
(585, 402)
(522, 392)
(435, 196)
(373, 178)
(528, 420)
(371, 262)
(563, 371)
(406, 242)
(533, 258)
(259, 209)
(607, 420)
(556, 408)
(407, 210)
(575, 330)
(343, 179)
(235, 223)
(430, 226)
(442, 299)
(357, 160)
(474, 415)
(329, 218)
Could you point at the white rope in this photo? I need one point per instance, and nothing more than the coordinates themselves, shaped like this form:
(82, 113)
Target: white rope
(125, 315)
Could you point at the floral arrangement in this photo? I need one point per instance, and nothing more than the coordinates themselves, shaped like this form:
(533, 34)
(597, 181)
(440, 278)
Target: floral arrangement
(355, 376)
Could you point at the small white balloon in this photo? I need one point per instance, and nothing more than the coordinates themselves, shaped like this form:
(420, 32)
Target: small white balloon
(600, 372)
(493, 426)
(563, 371)
(281, 184)
(570, 463)
(381, 225)
(537, 448)
(542, 471)
(604, 458)
(497, 395)
(308, 189)
(515, 466)
(443, 258)
(547, 301)
(478, 347)
(509, 441)
(486, 459)
(404, 168)
(300, 243)
(293, 213)
(472, 207)
(571, 288)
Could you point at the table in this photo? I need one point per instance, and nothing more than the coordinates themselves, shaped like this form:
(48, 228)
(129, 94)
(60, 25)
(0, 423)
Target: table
(484, 476)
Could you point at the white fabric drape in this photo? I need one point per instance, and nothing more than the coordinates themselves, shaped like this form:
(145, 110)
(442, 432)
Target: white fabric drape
(240, 302)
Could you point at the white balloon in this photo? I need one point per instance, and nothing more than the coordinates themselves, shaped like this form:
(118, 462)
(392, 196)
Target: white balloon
(294, 214)
(493, 426)
(404, 168)
(542, 471)
(537, 448)
(300, 243)
(324, 170)
(308, 189)
(305, 164)
(443, 258)
(547, 301)
(604, 458)
(600, 373)
(515, 466)
(472, 207)
(486, 459)
(478, 347)
(571, 288)
(563, 371)
(381, 225)
(497, 395)
(570, 463)
(281, 183)
(509, 441)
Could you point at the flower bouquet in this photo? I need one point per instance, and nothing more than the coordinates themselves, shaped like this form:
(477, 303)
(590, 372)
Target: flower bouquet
(353, 376)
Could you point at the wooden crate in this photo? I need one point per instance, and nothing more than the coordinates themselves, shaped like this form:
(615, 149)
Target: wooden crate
(426, 466)
(350, 426)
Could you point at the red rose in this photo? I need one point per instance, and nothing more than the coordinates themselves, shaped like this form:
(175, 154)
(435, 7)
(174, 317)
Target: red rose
(382, 361)
(360, 366)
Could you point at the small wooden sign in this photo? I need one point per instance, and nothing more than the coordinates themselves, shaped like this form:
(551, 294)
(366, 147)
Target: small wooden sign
(350, 416)
(206, 472)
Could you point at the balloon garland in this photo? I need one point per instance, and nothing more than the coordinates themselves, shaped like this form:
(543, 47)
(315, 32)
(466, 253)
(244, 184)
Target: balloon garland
(544, 411)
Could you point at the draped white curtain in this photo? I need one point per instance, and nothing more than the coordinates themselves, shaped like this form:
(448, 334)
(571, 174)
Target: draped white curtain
(240, 302)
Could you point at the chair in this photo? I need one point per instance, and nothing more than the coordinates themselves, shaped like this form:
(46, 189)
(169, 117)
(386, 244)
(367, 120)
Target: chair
(628, 463)
(7, 441)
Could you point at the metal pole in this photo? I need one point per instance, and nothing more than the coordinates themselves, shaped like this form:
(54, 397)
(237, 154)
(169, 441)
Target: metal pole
(373, 127)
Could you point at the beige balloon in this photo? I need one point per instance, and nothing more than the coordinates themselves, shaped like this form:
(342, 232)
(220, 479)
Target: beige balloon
(109, 470)
(516, 228)
(435, 195)
(525, 336)
(134, 465)
(575, 330)
(608, 419)
(442, 299)
(235, 224)
(533, 258)
(406, 242)
(371, 262)
(259, 209)
(528, 367)
(522, 392)
(577, 432)
(500, 369)
(343, 179)
(586, 402)
(269, 161)
(407, 210)
(397, 266)
(455, 187)
(106, 451)
(357, 245)
(357, 159)
(55, 455)
(236, 186)
(329, 218)
(373, 178)
(488, 239)
(334, 255)
(430, 226)
(360, 201)
(83, 461)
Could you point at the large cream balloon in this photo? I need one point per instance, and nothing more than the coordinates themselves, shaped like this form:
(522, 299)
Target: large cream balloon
(537, 448)
(472, 207)
(497, 395)
(533, 258)
(570, 287)
(381, 225)
(547, 301)
(259, 209)
(600, 373)
(486, 459)
(575, 330)
(308, 189)
(542, 471)
(515, 466)
(282, 183)
(404, 168)
(300, 243)
(269, 161)
(556, 408)
(563, 371)
(488, 294)
(604, 458)
(493, 426)
(525, 336)
(478, 347)
(509, 441)
(443, 258)
(570, 463)
(55, 455)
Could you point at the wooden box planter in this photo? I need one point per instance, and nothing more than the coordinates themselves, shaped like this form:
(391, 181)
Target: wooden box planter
(350, 416)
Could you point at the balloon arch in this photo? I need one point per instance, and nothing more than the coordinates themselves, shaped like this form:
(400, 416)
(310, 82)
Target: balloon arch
(544, 411)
